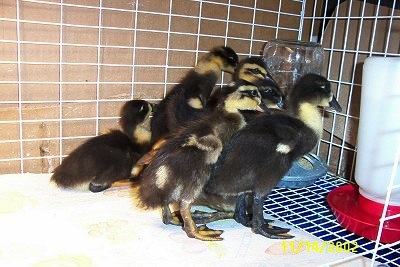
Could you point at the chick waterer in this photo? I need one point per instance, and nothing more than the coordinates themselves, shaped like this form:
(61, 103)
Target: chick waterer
(360, 207)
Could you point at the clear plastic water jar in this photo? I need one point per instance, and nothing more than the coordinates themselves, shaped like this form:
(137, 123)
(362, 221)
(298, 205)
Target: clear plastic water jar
(288, 60)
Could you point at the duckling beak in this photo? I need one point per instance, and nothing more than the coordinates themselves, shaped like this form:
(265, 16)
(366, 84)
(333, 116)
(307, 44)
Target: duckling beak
(335, 105)
(273, 95)
(282, 103)
(269, 81)
(229, 69)
(153, 108)
(263, 108)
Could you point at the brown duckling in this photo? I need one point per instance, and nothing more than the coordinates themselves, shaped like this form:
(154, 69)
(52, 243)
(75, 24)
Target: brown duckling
(182, 165)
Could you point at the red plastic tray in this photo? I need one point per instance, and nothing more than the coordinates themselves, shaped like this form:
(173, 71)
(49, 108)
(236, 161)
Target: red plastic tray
(344, 202)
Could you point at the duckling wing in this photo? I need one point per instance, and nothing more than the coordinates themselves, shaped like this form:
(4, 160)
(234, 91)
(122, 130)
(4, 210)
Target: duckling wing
(286, 137)
(233, 171)
(257, 157)
(210, 144)
(207, 143)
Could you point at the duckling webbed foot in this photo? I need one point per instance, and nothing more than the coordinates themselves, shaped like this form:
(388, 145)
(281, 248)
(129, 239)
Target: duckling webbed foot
(241, 216)
(202, 232)
(260, 227)
(272, 232)
(203, 217)
(95, 188)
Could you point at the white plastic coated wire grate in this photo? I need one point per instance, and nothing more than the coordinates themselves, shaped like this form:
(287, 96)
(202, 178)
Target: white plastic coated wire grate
(307, 209)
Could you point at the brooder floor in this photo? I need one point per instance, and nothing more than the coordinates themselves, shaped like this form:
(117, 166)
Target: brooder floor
(307, 209)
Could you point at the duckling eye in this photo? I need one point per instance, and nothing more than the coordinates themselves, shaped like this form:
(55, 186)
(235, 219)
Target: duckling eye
(323, 86)
(141, 108)
(252, 93)
(256, 71)
(232, 59)
(268, 92)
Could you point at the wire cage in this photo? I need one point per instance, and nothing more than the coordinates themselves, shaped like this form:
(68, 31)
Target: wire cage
(67, 67)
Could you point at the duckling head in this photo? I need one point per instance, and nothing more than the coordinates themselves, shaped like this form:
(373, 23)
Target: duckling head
(315, 90)
(243, 95)
(271, 95)
(133, 113)
(254, 70)
(225, 57)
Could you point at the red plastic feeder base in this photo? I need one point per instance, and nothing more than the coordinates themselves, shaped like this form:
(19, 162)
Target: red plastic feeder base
(361, 215)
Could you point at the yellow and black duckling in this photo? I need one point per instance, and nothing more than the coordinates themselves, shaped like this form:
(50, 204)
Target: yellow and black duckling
(256, 159)
(254, 70)
(107, 158)
(182, 165)
(186, 100)
(250, 69)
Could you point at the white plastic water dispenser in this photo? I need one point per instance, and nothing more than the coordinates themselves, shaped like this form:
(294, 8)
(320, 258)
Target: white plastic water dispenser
(359, 207)
(379, 129)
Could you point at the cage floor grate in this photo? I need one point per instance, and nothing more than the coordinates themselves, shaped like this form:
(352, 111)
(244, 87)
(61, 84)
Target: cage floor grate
(307, 209)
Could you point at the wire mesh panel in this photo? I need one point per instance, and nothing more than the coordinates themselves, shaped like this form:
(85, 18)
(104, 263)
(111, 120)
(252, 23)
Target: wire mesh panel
(350, 32)
(67, 66)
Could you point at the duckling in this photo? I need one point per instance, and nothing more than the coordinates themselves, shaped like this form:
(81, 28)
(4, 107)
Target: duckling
(256, 159)
(254, 70)
(107, 158)
(186, 100)
(182, 165)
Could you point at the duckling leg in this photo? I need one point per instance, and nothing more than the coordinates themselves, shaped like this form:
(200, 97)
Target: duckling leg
(199, 217)
(189, 226)
(202, 217)
(241, 216)
(168, 217)
(260, 227)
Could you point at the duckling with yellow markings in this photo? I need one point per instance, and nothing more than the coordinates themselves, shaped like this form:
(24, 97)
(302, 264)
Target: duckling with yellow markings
(254, 70)
(186, 101)
(256, 159)
(182, 165)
